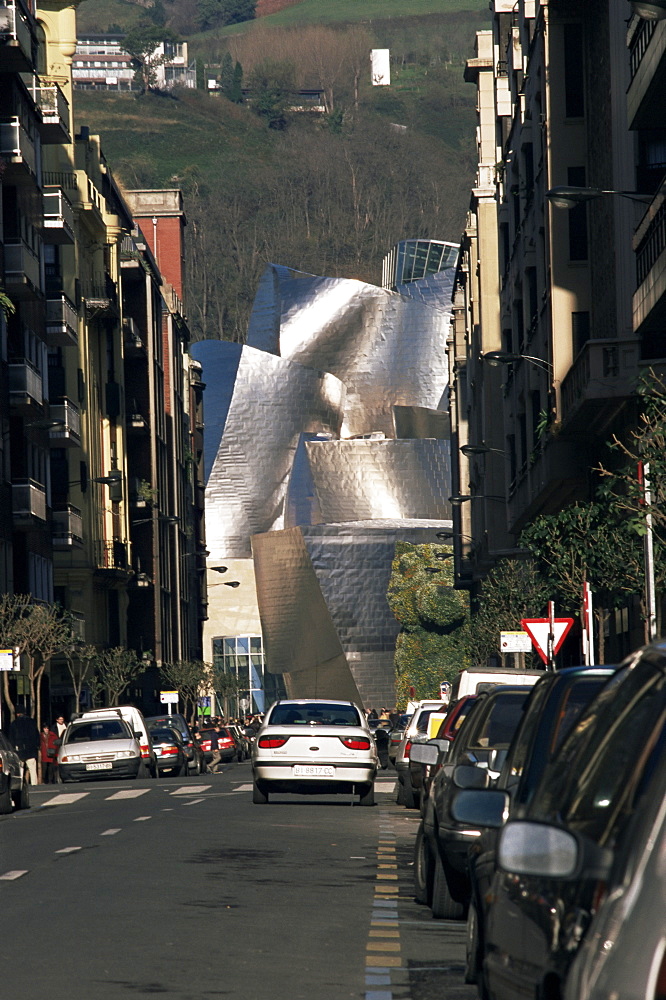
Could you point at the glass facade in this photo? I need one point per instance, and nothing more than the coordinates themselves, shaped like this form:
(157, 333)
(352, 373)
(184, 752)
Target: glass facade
(241, 657)
(413, 260)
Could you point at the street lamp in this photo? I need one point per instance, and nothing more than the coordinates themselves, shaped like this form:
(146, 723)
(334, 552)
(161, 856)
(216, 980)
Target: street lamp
(565, 196)
(225, 583)
(218, 569)
(459, 498)
(162, 518)
(468, 450)
(497, 358)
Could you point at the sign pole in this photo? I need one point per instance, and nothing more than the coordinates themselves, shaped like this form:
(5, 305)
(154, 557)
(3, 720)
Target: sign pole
(550, 654)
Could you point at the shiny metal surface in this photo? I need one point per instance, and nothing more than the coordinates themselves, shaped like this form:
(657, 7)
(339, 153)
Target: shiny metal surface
(256, 407)
(322, 598)
(325, 442)
(385, 347)
(366, 480)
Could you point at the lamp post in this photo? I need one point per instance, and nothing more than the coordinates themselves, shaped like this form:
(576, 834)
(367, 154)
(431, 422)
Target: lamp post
(566, 196)
(459, 498)
(497, 358)
(469, 450)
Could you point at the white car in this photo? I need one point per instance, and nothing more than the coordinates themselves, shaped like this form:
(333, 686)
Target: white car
(99, 748)
(314, 746)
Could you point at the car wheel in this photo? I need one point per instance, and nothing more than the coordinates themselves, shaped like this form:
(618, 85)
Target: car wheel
(21, 798)
(472, 946)
(400, 793)
(142, 771)
(182, 771)
(259, 795)
(424, 869)
(444, 906)
(367, 795)
(6, 803)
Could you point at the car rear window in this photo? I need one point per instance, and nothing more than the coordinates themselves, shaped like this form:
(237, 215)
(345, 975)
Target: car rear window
(500, 722)
(314, 715)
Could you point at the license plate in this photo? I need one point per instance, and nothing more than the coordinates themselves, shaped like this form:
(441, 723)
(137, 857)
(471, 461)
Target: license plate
(105, 766)
(313, 771)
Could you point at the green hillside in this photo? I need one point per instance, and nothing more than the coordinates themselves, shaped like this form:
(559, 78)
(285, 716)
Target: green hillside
(329, 194)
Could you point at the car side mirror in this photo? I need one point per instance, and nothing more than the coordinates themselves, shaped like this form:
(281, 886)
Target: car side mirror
(476, 807)
(527, 848)
(137, 735)
(468, 776)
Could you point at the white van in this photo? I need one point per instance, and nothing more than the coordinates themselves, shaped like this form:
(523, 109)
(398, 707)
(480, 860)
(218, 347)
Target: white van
(133, 717)
(477, 679)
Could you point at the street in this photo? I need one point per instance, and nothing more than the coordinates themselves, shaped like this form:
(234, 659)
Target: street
(183, 888)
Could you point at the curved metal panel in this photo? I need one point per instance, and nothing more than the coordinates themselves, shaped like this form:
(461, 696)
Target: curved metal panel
(365, 480)
(386, 348)
(272, 403)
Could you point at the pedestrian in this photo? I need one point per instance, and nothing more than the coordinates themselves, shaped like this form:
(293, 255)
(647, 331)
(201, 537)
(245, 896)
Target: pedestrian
(372, 714)
(59, 726)
(24, 735)
(214, 745)
(48, 754)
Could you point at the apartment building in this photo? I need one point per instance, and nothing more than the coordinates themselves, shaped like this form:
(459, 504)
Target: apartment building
(556, 309)
(84, 307)
(101, 63)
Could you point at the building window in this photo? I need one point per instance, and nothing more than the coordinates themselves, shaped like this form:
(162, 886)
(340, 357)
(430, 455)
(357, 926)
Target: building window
(574, 79)
(577, 218)
(580, 330)
(241, 659)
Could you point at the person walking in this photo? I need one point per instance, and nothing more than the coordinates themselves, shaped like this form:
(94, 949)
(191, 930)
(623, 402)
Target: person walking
(48, 751)
(24, 735)
(214, 745)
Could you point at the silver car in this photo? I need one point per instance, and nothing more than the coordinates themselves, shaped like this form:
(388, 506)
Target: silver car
(314, 746)
(99, 748)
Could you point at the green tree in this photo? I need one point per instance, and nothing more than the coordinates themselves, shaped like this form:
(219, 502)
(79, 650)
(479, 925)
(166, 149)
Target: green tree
(191, 678)
(213, 13)
(589, 542)
(272, 84)
(433, 643)
(114, 670)
(141, 43)
(227, 74)
(514, 589)
(79, 658)
(236, 92)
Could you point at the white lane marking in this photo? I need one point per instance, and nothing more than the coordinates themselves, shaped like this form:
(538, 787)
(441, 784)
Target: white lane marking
(194, 802)
(64, 800)
(68, 850)
(10, 876)
(110, 833)
(190, 789)
(386, 787)
(142, 819)
(242, 788)
(129, 793)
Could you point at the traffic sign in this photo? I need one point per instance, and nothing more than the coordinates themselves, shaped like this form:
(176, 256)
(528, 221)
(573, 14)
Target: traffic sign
(515, 642)
(169, 697)
(539, 630)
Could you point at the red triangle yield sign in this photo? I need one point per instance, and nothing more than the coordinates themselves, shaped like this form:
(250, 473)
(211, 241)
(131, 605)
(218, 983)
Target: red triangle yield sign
(538, 629)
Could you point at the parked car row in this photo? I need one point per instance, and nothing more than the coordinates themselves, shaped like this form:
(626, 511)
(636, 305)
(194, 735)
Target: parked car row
(546, 827)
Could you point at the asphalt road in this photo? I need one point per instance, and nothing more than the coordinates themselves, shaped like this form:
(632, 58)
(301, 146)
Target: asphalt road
(183, 888)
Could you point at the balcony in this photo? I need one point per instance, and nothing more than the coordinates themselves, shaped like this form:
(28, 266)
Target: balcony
(647, 43)
(15, 38)
(101, 297)
(111, 558)
(62, 322)
(68, 433)
(18, 148)
(54, 107)
(67, 527)
(58, 217)
(134, 345)
(28, 500)
(25, 385)
(604, 373)
(22, 270)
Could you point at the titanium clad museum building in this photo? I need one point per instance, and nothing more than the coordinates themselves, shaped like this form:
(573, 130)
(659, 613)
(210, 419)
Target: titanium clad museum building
(327, 440)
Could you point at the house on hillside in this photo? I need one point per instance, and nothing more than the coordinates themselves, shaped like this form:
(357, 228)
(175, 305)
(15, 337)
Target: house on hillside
(100, 63)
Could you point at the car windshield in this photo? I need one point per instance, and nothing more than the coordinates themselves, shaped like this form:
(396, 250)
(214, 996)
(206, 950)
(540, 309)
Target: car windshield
(91, 732)
(319, 714)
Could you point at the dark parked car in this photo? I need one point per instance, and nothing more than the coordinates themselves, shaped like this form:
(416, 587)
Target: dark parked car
(170, 750)
(195, 756)
(441, 869)
(550, 712)
(13, 779)
(422, 774)
(572, 847)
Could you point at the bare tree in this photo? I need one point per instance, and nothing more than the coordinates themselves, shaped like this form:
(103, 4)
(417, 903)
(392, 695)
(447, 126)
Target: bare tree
(79, 658)
(190, 678)
(114, 669)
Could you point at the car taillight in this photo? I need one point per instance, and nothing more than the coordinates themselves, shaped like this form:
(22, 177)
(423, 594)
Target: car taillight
(145, 750)
(355, 742)
(225, 743)
(408, 747)
(205, 744)
(169, 750)
(271, 742)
